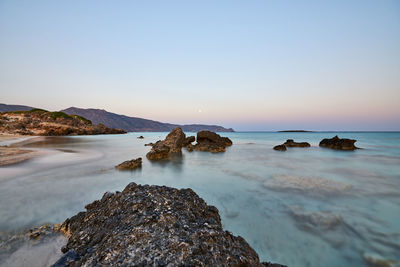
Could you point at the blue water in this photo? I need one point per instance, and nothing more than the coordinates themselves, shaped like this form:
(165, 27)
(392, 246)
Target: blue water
(303, 207)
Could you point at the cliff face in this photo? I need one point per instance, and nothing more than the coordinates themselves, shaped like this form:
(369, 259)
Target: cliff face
(42, 122)
(133, 124)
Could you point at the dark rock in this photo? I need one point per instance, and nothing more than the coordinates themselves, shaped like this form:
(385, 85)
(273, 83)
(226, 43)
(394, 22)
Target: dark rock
(338, 143)
(140, 137)
(149, 144)
(130, 164)
(172, 144)
(280, 147)
(67, 259)
(212, 142)
(291, 143)
(153, 226)
(189, 140)
(158, 151)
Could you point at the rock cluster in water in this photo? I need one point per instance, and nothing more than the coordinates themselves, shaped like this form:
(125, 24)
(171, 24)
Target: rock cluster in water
(291, 143)
(172, 144)
(152, 226)
(176, 139)
(130, 164)
(338, 143)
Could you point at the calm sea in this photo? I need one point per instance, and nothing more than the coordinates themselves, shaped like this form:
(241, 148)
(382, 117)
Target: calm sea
(303, 207)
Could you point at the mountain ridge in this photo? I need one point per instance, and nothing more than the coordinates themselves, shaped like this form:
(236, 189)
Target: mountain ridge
(127, 123)
(134, 124)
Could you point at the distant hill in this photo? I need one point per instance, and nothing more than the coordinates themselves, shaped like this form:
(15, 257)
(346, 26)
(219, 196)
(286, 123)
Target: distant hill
(133, 124)
(6, 108)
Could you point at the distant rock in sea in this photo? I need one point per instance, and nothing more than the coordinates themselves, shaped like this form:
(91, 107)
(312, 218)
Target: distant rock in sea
(291, 143)
(295, 131)
(338, 143)
(152, 226)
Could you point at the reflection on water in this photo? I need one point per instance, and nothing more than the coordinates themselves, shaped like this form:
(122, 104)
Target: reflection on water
(302, 207)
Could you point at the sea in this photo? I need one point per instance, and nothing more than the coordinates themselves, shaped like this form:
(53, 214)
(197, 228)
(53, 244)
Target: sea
(302, 207)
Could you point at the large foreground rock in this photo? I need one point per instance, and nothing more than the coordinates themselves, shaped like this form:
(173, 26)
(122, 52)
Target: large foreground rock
(152, 226)
(338, 143)
(172, 144)
(212, 142)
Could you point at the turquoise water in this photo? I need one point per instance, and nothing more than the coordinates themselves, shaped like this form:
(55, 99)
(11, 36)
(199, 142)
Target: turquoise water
(303, 207)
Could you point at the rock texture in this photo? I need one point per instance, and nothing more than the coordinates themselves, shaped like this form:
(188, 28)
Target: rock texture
(212, 142)
(280, 147)
(152, 226)
(291, 143)
(42, 122)
(188, 141)
(172, 144)
(338, 143)
(130, 164)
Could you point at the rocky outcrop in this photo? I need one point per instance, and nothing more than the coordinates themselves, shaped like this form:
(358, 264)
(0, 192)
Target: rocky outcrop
(172, 144)
(212, 142)
(130, 164)
(42, 122)
(280, 147)
(189, 140)
(152, 226)
(338, 143)
(140, 137)
(291, 143)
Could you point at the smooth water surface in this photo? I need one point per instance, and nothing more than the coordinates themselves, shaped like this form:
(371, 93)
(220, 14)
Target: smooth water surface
(303, 207)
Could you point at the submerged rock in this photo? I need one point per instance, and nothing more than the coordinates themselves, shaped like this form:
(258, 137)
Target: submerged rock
(140, 137)
(172, 144)
(316, 220)
(291, 143)
(312, 185)
(338, 143)
(212, 142)
(130, 164)
(153, 226)
(280, 148)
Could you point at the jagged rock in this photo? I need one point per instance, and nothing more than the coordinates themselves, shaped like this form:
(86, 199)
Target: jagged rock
(212, 142)
(153, 226)
(291, 143)
(171, 145)
(140, 137)
(189, 140)
(280, 147)
(130, 164)
(338, 143)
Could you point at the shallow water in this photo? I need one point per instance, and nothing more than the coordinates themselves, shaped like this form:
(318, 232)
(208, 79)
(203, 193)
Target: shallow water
(303, 207)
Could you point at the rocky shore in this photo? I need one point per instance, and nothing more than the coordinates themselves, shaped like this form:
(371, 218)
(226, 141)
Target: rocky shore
(152, 226)
(45, 123)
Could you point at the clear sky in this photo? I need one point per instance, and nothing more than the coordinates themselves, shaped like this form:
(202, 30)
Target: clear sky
(250, 65)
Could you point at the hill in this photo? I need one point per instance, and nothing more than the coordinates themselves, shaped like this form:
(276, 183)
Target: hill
(43, 122)
(133, 124)
(5, 108)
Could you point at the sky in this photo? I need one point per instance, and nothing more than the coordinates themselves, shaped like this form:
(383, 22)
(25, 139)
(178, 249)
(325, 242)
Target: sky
(251, 65)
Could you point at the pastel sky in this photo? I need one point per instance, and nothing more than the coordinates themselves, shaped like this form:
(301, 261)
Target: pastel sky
(250, 65)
